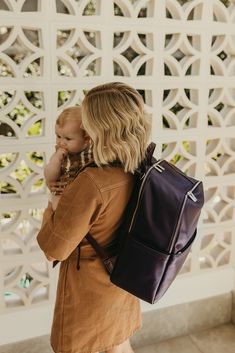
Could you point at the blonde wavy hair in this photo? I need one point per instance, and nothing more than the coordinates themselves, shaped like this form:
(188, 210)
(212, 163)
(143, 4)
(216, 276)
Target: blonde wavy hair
(114, 118)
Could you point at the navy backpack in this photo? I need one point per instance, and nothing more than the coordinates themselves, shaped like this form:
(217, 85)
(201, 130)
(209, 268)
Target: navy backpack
(159, 229)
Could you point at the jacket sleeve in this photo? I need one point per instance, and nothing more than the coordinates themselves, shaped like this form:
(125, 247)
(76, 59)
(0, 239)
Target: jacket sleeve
(79, 207)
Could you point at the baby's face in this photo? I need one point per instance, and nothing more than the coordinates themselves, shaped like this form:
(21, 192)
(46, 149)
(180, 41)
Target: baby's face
(70, 136)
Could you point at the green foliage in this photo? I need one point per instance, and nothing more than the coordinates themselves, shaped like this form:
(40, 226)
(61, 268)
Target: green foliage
(21, 173)
(7, 188)
(90, 8)
(5, 70)
(20, 114)
(6, 159)
(35, 129)
(25, 281)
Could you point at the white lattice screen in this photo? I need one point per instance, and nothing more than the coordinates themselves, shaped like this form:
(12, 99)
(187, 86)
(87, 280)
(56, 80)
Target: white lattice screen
(182, 60)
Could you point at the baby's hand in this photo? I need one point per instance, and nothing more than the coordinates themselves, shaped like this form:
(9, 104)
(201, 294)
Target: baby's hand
(60, 153)
(57, 187)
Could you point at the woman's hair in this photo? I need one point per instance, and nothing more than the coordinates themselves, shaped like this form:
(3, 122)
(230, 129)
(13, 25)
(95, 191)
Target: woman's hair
(114, 118)
(71, 113)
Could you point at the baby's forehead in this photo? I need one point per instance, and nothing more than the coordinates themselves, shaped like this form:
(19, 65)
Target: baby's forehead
(72, 113)
(70, 127)
(68, 121)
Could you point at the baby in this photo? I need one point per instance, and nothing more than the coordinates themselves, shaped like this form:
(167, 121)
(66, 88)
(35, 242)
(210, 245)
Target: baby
(73, 150)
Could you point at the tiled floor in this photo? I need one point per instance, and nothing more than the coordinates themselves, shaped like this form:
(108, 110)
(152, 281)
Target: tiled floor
(218, 340)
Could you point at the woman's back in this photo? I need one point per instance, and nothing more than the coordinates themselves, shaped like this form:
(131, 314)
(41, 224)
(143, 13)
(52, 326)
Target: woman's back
(107, 306)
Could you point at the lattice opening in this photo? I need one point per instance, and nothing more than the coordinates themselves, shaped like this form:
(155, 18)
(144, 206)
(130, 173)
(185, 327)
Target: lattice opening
(146, 68)
(93, 38)
(215, 250)
(93, 69)
(118, 38)
(143, 13)
(35, 68)
(172, 10)
(36, 98)
(65, 69)
(118, 70)
(223, 55)
(24, 231)
(34, 36)
(20, 114)
(4, 33)
(63, 36)
(130, 54)
(13, 299)
(6, 69)
(36, 214)
(38, 187)
(219, 13)
(6, 130)
(41, 269)
(36, 157)
(5, 6)
(168, 122)
(62, 7)
(193, 69)
(118, 11)
(18, 51)
(195, 13)
(7, 188)
(22, 173)
(6, 98)
(11, 246)
(64, 97)
(7, 159)
(194, 41)
(92, 8)
(31, 6)
(41, 294)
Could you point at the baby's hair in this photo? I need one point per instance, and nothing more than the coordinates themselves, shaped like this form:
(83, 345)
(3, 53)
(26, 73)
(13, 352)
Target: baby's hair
(113, 116)
(71, 113)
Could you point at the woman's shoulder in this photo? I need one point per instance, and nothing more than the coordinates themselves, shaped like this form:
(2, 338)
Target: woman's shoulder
(107, 177)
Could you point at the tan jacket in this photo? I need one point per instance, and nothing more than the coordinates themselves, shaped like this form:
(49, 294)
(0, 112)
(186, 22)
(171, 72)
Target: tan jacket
(91, 314)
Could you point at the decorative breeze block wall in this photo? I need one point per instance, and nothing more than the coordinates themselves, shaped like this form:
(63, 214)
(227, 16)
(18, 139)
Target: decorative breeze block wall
(180, 55)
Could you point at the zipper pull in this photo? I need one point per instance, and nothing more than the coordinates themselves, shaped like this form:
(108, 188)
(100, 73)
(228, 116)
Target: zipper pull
(192, 196)
(159, 168)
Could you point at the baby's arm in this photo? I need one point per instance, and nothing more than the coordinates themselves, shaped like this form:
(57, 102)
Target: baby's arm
(53, 168)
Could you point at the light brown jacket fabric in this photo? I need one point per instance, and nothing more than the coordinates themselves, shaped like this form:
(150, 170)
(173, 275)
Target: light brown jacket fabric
(91, 314)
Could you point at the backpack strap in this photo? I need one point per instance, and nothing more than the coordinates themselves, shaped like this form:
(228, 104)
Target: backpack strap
(106, 254)
(147, 161)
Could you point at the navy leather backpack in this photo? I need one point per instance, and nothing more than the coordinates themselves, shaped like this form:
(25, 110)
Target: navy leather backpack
(159, 229)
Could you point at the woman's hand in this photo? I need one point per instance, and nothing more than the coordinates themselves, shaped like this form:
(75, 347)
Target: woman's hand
(57, 187)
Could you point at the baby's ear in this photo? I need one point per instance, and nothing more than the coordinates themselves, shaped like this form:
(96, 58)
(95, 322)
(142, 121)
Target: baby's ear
(87, 137)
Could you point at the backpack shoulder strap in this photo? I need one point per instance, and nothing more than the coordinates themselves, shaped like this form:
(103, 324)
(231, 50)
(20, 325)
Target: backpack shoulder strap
(147, 161)
(103, 254)
(107, 258)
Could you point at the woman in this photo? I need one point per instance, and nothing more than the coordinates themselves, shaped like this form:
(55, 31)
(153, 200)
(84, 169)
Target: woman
(91, 314)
